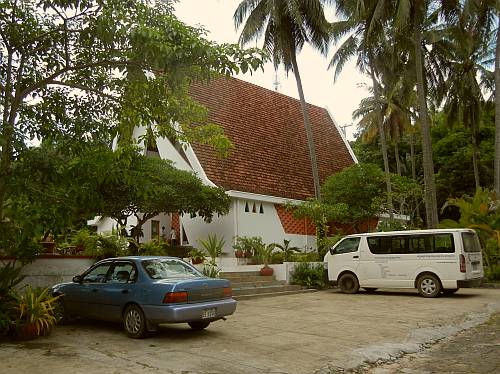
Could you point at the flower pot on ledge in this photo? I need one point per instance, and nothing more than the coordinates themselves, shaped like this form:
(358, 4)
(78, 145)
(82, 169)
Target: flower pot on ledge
(266, 271)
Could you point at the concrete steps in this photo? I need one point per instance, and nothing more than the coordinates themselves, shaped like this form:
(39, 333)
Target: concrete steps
(250, 285)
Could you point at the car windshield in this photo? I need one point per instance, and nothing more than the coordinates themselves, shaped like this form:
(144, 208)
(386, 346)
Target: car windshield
(168, 269)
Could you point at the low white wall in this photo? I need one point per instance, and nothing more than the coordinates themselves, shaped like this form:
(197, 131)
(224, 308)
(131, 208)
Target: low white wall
(47, 271)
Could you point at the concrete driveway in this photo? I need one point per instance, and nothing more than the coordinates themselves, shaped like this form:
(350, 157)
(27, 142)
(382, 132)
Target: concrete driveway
(321, 332)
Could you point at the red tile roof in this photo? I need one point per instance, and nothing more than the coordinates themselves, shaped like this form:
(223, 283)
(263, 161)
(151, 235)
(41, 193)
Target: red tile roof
(270, 154)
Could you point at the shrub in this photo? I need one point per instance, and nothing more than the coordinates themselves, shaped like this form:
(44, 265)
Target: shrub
(288, 250)
(153, 248)
(310, 275)
(307, 257)
(109, 245)
(492, 273)
(277, 258)
(211, 270)
(83, 240)
(9, 277)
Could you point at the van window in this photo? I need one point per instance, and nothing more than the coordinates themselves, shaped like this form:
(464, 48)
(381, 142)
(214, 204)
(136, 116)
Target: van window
(443, 243)
(410, 244)
(471, 242)
(346, 246)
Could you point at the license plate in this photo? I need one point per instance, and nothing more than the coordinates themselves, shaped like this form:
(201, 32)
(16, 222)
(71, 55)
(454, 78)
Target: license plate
(209, 313)
(475, 265)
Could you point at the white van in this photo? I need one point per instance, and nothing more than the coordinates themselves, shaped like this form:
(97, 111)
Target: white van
(433, 261)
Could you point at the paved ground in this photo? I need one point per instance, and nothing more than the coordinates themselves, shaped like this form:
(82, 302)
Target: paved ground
(322, 333)
(476, 350)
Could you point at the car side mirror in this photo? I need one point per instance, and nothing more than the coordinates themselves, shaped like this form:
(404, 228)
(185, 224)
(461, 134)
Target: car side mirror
(332, 251)
(77, 279)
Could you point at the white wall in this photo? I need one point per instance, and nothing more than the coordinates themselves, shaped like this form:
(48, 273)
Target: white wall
(196, 228)
(45, 272)
(268, 225)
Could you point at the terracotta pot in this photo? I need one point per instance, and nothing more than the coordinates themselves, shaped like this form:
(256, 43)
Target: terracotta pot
(196, 261)
(239, 253)
(26, 332)
(266, 271)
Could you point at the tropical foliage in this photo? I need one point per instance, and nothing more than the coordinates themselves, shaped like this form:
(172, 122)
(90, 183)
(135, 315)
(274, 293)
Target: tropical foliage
(80, 73)
(482, 213)
(310, 275)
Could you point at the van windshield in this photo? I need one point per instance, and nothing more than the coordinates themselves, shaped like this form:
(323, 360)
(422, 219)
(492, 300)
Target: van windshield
(471, 242)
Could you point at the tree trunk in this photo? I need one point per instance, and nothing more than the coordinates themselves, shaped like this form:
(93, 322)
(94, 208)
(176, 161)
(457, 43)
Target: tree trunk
(307, 125)
(383, 141)
(475, 150)
(431, 213)
(414, 168)
(396, 149)
(6, 135)
(496, 183)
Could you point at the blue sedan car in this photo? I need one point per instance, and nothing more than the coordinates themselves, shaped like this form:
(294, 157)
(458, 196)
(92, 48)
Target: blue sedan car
(144, 291)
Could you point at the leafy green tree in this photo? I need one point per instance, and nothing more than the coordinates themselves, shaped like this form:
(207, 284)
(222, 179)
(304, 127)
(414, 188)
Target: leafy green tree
(356, 186)
(65, 189)
(287, 25)
(91, 69)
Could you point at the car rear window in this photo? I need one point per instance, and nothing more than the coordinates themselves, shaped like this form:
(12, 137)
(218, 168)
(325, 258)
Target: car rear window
(169, 268)
(471, 242)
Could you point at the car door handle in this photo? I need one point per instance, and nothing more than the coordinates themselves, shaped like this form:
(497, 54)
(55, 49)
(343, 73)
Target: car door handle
(355, 256)
(124, 291)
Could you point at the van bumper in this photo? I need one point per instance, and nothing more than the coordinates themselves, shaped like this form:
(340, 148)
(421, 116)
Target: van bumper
(468, 283)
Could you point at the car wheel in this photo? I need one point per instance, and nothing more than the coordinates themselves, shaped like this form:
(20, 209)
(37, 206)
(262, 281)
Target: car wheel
(134, 322)
(62, 314)
(450, 291)
(198, 325)
(349, 283)
(428, 285)
(370, 289)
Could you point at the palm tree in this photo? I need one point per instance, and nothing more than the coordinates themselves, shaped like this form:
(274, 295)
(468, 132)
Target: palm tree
(415, 16)
(287, 25)
(465, 55)
(364, 25)
(488, 14)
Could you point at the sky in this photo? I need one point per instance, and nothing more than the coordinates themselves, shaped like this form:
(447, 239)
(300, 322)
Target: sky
(341, 97)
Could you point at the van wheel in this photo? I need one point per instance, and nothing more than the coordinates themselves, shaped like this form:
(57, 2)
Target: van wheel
(428, 285)
(348, 283)
(450, 291)
(370, 289)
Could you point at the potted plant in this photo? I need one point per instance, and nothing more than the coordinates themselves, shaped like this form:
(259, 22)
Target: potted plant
(238, 253)
(246, 246)
(213, 245)
(197, 256)
(37, 313)
(264, 253)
